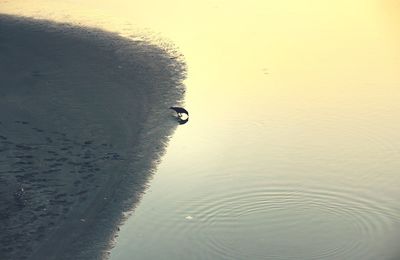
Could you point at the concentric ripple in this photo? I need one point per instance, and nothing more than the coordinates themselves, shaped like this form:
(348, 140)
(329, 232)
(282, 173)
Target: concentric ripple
(286, 222)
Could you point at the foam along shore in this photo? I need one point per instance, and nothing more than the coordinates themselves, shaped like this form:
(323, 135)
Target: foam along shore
(84, 117)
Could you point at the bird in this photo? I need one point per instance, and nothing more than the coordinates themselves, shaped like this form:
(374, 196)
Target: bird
(180, 111)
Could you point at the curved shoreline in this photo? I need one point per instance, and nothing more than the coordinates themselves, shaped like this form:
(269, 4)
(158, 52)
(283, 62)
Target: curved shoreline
(91, 109)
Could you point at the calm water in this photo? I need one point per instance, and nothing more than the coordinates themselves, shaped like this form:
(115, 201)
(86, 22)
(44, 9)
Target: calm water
(293, 146)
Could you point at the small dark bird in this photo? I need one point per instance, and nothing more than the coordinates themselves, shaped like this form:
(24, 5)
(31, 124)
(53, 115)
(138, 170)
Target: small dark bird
(181, 112)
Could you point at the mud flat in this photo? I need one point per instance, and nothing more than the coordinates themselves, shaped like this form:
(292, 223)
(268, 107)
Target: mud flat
(83, 119)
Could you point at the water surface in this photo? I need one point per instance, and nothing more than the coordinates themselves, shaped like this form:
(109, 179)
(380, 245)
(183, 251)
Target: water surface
(292, 150)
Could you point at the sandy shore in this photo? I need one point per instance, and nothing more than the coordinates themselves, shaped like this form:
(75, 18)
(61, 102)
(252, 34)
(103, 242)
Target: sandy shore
(83, 119)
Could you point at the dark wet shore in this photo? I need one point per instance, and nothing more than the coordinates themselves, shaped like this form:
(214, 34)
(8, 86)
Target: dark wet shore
(84, 117)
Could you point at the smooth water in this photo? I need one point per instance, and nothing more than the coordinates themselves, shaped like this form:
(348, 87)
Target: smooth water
(292, 149)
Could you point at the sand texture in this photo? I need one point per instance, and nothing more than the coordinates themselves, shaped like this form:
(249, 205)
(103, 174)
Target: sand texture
(83, 119)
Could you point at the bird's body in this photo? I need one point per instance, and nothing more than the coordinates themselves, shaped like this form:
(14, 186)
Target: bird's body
(180, 110)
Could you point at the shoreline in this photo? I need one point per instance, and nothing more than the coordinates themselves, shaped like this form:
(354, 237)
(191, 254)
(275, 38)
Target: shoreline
(84, 120)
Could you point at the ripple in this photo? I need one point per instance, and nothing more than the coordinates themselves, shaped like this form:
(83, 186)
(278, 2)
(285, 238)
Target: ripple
(286, 215)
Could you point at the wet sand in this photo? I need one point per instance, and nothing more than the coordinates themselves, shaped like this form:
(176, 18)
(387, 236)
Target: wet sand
(83, 119)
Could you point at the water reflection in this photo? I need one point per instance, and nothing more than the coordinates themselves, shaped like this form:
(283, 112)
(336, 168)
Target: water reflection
(293, 148)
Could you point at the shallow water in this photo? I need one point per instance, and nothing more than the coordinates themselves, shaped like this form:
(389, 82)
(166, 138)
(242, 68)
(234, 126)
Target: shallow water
(292, 149)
